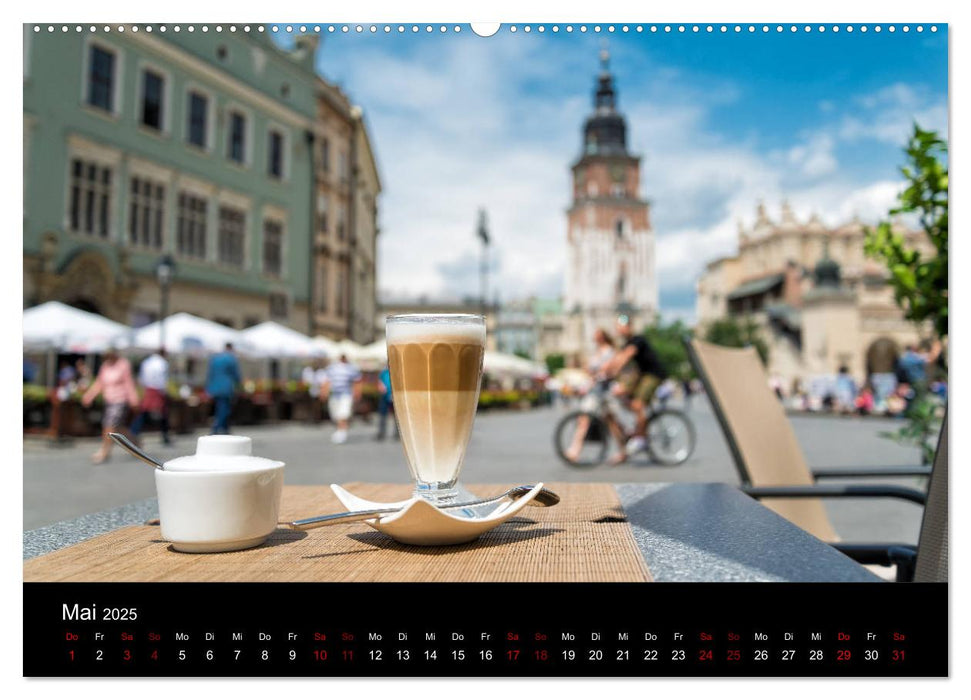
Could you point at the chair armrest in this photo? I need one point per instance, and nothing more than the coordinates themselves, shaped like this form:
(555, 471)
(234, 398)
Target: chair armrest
(903, 556)
(863, 472)
(837, 491)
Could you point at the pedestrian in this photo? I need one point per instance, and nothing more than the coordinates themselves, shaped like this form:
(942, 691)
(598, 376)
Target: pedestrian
(845, 391)
(385, 404)
(66, 374)
(686, 390)
(153, 375)
(342, 389)
(864, 401)
(313, 375)
(114, 382)
(600, 382)
(222, 378)
(83, 374)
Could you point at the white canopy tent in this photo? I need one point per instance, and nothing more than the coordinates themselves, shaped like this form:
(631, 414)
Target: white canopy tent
(271, 339)
(190, 335)
(57, 326)
(504, 365)
(373, 356)
(330, 348)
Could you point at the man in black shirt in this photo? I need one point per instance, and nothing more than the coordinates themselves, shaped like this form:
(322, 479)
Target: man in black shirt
(639, 373)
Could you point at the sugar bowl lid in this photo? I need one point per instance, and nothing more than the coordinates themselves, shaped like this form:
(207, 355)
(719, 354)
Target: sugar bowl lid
(221, 453)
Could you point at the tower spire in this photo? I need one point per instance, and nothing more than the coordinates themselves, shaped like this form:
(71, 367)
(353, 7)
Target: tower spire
(605, 131)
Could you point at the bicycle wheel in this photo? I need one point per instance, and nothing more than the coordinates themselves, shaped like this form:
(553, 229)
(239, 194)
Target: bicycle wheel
(670, 437)
(593, 450)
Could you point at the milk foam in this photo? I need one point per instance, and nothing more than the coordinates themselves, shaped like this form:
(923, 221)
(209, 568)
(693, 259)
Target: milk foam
(435, 332)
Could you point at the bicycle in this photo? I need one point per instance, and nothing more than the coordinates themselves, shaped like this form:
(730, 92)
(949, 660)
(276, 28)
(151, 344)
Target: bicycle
(670, 433)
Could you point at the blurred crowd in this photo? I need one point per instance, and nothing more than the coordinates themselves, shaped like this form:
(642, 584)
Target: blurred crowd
(881, 393)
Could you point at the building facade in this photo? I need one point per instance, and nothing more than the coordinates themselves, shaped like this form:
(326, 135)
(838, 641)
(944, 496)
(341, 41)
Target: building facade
(610, 242)
(820, 302)
(345, 239)
(193, 145)
(530, 327)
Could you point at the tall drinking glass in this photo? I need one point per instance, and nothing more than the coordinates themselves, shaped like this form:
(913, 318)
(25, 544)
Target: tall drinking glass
(436, 370)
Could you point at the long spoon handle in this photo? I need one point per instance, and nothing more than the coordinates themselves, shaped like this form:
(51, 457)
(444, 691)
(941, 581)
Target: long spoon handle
(334, 518)
(135, 449)
(351, 516)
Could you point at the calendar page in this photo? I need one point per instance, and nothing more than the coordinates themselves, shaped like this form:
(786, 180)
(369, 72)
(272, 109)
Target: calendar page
(437, 349)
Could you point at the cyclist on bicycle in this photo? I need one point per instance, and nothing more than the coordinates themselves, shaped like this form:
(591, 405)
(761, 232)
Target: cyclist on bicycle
(638, 373)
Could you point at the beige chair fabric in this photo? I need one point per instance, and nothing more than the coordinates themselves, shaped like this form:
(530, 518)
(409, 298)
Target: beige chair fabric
(768, 448)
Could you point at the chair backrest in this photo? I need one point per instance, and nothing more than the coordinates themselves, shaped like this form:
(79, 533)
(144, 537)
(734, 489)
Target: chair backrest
(759, 435)
(932, 547)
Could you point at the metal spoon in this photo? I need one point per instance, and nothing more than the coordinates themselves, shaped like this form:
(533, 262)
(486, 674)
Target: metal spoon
(135, 450)
(543, 499)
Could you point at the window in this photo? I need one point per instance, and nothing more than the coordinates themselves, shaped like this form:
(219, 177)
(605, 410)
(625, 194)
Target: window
(147, 202)
(237, 137)
(275, 155)
(232, 236)
(278, 305)
(272, 248)
(619, 228)
(342, 166)
(198, 125)
(618, 191)
(325, 154)
(89, 207)
(322, 201)
(341, 220)
(191, 231)
(341, 283)
(322, 295)
(101, 79)
(153, 97)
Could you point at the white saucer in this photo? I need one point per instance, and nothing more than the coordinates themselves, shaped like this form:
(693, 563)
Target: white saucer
(421, 523)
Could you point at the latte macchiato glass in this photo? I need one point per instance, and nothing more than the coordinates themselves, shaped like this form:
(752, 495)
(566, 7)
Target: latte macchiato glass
(436, 370)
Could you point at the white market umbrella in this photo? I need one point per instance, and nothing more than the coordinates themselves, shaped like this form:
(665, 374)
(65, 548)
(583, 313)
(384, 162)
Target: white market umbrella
(188, 334)
(329, 348)
(271, 339)
(503, 364)
(57, 326)
(373, 356)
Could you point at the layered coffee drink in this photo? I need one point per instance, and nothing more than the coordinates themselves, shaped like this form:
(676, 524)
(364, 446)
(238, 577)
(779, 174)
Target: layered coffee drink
(436, 369)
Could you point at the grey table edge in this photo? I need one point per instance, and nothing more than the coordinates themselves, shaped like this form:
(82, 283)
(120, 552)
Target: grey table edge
(685, 532)
(713, 532)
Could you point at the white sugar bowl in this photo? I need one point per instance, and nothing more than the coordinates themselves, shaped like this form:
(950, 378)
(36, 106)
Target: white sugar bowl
(220, 499)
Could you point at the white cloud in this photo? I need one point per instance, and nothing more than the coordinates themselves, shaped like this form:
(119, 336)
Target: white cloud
(814, 157)
(888, 114)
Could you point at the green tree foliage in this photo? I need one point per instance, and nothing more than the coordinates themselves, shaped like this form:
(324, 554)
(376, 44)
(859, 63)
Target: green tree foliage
(667, 343)
(738, 333)
(555, 362)
(919, 282)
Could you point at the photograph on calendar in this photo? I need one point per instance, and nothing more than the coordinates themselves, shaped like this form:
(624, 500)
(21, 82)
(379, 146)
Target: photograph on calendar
(518, 303)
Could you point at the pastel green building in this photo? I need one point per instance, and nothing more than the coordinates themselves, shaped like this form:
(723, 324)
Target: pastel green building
(196, 145)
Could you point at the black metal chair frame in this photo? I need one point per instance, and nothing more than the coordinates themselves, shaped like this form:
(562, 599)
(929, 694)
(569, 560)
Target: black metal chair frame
(903, 556)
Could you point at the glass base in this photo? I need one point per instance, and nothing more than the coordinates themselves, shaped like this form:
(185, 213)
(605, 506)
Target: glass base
(437, 492)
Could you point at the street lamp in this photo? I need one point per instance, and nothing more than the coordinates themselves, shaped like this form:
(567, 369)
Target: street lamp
(164, 272)
(483, 233)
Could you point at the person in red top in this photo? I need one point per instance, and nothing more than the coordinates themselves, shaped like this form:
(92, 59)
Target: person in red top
(116, 384)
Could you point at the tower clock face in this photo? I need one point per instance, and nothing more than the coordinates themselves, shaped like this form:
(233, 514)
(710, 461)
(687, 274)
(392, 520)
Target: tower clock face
(617, 172)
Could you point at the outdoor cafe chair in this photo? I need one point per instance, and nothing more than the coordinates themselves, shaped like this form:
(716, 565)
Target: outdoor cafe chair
(773, 468)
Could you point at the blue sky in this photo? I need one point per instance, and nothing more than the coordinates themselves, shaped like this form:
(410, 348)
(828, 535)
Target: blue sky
(721, 121)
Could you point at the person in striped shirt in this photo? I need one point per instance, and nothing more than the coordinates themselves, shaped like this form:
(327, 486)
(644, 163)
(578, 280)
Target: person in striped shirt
(341, 388)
